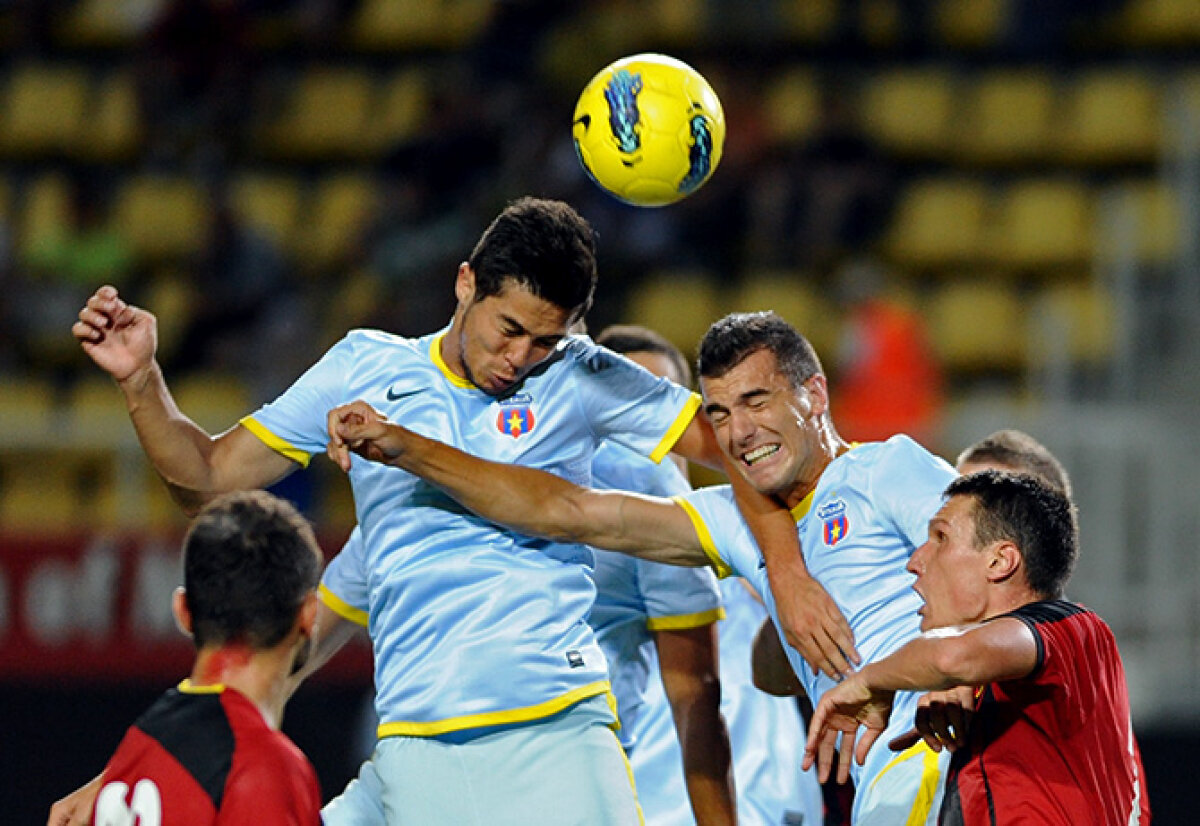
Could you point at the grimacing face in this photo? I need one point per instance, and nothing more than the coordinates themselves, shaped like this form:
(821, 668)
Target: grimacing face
(951, 569)
(766, 426)
(497, 340)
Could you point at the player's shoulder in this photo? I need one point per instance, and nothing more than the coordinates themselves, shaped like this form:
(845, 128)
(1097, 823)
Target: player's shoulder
(368, 338)
(898, 452)
(580, 352)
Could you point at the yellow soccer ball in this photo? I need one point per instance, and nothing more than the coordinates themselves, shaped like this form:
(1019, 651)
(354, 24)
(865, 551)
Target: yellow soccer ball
(649, 129)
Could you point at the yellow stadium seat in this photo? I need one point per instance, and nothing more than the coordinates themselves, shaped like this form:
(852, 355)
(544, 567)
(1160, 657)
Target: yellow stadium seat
(338, 210)
(43, 110)
(161, 216)
(678, 23)
(976, 325)
(27, 410)
(808, 21)
(46, 211)
(102, 23)
(971, 24)
(679, 304)
(794, 297)
(270, 203)
(115, 129)
(938, 222)
(40, 492)
(327, 114)
(398, 24)
(1042, 224)
(792, 105)
(96, 413)
(1111, 116)
(1008, 118)
(401, 110)
(1082, 317)
(1161, 23)
(1154, 231)
(911, 111)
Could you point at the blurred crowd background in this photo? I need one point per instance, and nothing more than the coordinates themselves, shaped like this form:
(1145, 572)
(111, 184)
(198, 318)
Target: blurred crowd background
(983, 213)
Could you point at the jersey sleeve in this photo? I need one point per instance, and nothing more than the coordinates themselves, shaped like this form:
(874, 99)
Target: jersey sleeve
(277, 787)
(908, 486)
(630, 405)
(722, 533)
(344, 586)
(295, 423)
(678, 598)
(1069, 639)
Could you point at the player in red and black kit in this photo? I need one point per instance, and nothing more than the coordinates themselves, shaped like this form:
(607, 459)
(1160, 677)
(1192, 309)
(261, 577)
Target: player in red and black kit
(1051, 741)
(210, 751)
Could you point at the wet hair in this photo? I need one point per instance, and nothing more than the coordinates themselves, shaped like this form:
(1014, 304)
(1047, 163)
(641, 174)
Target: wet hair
(249, 560)
(732, 339)
(1032, 514)
(546, 247)
(633, 338)
(1017, 451)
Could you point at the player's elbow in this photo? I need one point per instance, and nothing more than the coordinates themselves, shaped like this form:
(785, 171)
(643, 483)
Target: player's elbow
(957, 661)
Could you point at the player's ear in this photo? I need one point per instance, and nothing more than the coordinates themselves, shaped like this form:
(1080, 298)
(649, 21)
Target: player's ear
(464, 283)
(306, 621)
(818, 394)
(183, 617)
(1003, 562)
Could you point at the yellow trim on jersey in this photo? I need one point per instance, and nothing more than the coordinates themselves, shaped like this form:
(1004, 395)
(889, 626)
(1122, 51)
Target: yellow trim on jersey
(682, 622)
(706, 540)
(342, 608)
(188, 687)
(435, 354)
(495, 718)
(677, 427)
(275, 443)
(931, 775)
(803, 506)
(632, 782)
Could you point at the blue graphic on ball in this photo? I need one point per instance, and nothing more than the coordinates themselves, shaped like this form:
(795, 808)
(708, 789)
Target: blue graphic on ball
(621, 93)
(699, 155)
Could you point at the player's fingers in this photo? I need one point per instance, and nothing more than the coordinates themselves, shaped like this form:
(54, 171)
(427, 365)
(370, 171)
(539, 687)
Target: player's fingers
(833, 661)
(845, 756)
(826, 752)
(839, 631)
(86, 332)
(866, 739)
(905, 740)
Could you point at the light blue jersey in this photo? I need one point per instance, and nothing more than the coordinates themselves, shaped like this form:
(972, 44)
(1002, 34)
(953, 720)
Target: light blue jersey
(471, 625)
(765, 733)
(635, 597)
(868, 513)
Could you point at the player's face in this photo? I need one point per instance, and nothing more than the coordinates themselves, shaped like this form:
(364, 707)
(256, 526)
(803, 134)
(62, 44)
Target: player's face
(951, 569)
(767, 426)
(495, 341)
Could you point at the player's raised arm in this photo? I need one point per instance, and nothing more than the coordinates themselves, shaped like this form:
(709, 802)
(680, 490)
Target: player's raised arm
(521, 498)
(121, 339)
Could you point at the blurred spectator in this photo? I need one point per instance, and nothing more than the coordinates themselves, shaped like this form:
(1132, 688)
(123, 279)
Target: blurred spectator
(196, 78)
(812, 206)
(888, 380)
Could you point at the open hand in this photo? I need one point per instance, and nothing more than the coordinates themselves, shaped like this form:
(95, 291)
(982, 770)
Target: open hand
(838, 716)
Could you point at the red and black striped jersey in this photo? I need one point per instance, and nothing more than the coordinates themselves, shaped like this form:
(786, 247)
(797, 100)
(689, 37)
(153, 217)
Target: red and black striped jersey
(1057, 746)
(206, 756)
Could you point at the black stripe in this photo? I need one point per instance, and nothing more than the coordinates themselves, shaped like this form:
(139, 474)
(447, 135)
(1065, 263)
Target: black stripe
(194, 729)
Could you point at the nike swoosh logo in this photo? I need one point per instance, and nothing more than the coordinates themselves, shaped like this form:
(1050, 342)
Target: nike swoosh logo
(393, 396)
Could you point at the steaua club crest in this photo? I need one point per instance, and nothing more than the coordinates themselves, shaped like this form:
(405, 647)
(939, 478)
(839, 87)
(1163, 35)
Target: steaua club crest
(515, 421)
(837, 525)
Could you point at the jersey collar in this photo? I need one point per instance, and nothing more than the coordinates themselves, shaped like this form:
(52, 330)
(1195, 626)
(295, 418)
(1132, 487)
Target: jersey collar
(435, 355)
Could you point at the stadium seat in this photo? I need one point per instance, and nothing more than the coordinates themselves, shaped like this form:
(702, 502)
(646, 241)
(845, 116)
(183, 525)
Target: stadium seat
(1111, 116)
(938, 223)
(103, 23)
(792, 105)
(42, 110)
(1042, 224)
(911, 111)
(971, 24)
(163, 217)
(44, 492)
(45, 211)
(1155, 228)
(1008, 118)
(386, 25)
(96, 413)
(269, 203)
(793, 295)
(215, 401)
(326, 115)
(679, 304)
(808, 21)
(401, 109)
(27, 411)
(115, 129)
(977, 325)
(1082, 317)
(338, 209)
(1160, 23)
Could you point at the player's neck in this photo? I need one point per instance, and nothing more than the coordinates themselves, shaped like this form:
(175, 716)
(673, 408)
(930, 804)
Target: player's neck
(451, 349)
(261, 676)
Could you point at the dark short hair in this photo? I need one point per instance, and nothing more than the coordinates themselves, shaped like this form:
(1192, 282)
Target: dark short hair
(1032, 514)
(545, 246)
(738, 335)
(633, 338)
(1018, 451)
(249, 560)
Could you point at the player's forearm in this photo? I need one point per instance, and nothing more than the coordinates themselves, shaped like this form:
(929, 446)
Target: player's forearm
(774, 530)
(707, 759)
(928, 663)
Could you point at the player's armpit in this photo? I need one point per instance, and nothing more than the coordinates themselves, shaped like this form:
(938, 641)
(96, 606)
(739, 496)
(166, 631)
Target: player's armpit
(769, 664)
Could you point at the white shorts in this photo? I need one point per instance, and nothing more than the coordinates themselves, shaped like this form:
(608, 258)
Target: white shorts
(565, 770)
(903, 789)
